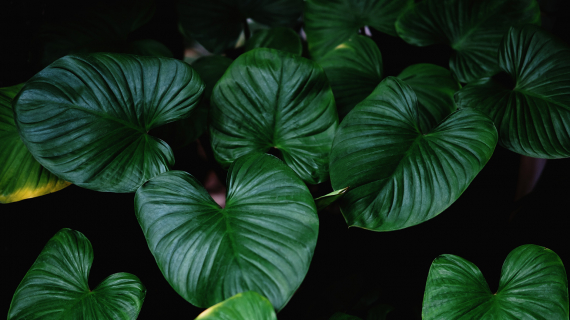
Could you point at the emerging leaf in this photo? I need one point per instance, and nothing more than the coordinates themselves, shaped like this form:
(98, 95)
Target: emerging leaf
(243, 306)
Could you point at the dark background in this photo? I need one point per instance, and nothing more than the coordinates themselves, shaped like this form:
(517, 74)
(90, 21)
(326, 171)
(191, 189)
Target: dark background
(352, 269)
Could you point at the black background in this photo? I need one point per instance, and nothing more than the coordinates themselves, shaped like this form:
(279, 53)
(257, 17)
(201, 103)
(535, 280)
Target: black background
(350, 265)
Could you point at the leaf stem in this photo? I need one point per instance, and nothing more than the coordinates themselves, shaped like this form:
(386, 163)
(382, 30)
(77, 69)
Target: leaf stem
(246, 31)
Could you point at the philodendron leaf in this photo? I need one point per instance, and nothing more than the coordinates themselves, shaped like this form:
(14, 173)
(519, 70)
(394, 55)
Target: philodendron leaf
(249, 305)
(217, 24)
(273, 99)
(532, 116)
(56, 286)
(533, 285)
(472, 28)
(280, 38)
(398, 175)
(326, 200)
(86, 118)
(329, 23)
(354, 69)
(263, 240)
(21, 176)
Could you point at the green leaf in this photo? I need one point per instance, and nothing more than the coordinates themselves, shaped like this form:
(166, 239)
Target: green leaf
(398, 175)
(329, 23)
(532, 116)
(180, 133)
(533, 285)
(434, 86)
(21, 176)
(326, 200)
(343, 316)
(217, 24)
(263, 240)
(104, 27)
(280, 38)
(472, 28)
(56, 286)
(86, 118)
(243, 306)
(354, 69)
(273, 100)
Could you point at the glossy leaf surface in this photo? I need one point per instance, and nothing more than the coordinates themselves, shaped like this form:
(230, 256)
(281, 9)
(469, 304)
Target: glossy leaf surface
(532, 116)
(217, 24)
(398, 175)
(473, 29)
(21, 176)
(272, 99)
(263, 240)
(86, 118)
(329, 23)
(243, 306)
(354, 69)
(533, 285)
(329, 198)
(56, 286)
(280, 38)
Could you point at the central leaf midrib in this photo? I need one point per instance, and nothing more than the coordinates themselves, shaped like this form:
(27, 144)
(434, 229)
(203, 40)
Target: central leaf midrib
(107, 117)
(233, 243)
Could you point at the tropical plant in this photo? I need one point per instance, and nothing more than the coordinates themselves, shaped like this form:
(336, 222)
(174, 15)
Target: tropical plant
(298, 108)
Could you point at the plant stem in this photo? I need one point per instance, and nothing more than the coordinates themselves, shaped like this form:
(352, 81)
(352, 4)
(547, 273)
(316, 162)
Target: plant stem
(246, 31)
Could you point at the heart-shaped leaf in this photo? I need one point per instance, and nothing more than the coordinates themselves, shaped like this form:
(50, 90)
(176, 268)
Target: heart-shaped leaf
(263, 240)
(56, 286)
(86, 118)
(398, 175)
(21, 176)
(532, 116)
(243, 306)
(472, 28)
(280, 38)
(273, 100)
(217, 24)
(533, 285)
(329, 23)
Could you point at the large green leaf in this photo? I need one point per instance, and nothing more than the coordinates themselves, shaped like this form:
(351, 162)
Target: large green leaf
(86, 118)
(243, 306)
(217, 24)
(103, 27)
(21, 176)
(56, 286)
(263, 240)
(280, 38)
(533, 285)
(354, 69)
(532, 116)
(273, 99)
(473, 28)
(398, 175)
(329, 23)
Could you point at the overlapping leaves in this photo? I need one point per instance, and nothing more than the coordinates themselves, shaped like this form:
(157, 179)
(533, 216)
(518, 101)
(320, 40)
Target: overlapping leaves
(398, 174)
(56, 286)
(263, 240)
(243, 306)
(533, 285)
(533, 114)
(86, 118)
(472, 28)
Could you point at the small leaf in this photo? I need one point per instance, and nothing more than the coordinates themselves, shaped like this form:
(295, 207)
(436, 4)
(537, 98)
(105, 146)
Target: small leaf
(280, 38)
(532, 116)
(533, 285)
(398, 175)
(329, 23)
(270, 100)
(243, 306)
(472, 28)
(326, 200)
(56, 286)
(21, 176)
(86, 118)
(263, 240)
